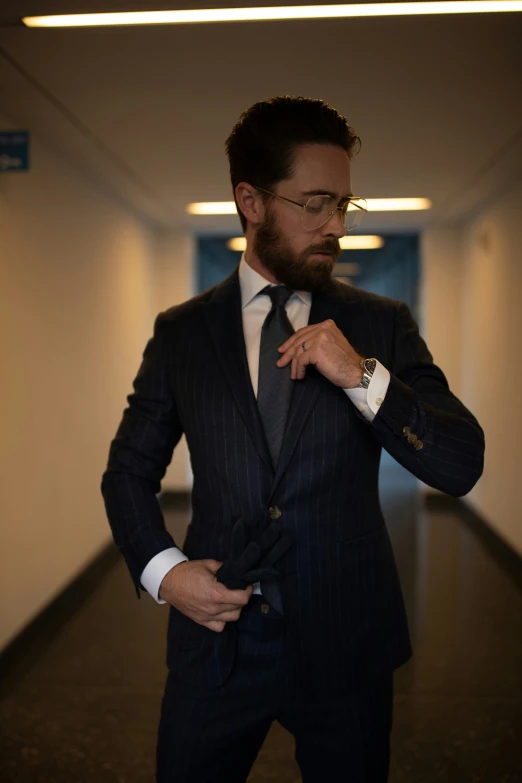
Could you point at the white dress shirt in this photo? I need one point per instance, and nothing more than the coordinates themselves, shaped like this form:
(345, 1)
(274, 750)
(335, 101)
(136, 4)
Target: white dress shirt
(254, 310)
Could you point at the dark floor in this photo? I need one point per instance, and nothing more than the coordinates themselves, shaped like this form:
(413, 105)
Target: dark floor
(84, 708)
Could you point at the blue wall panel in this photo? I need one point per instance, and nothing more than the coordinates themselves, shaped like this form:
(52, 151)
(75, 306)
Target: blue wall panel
(392, 270)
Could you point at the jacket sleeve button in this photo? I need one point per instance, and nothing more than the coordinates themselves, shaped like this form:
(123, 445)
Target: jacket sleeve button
(274, 512)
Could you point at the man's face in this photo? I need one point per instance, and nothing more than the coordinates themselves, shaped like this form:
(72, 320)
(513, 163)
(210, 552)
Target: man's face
(301, 259)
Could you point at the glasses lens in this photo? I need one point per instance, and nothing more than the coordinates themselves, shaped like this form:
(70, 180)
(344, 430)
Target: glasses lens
(319, 209)
(356, 210)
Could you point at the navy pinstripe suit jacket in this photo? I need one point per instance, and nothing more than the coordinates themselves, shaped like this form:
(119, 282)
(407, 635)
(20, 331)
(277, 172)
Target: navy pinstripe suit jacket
(342, 598)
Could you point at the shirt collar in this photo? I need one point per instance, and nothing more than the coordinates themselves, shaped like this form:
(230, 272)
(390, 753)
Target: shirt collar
(251, 283)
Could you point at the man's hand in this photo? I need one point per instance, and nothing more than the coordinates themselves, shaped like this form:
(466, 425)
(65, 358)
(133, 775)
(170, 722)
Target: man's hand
(193, 589)
(326, 347)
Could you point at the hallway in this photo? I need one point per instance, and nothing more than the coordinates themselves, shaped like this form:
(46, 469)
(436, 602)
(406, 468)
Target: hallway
(83, 705)
(125, 150)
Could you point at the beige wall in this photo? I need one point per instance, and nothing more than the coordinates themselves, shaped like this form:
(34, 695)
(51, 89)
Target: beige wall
(77, 303)
(175, 283)
(472, 287)
(440, 297)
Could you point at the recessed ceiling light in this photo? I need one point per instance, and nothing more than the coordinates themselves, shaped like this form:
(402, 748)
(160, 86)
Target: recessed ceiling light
(212, 208)
(237, 243)
(361, 242)
(194, 16)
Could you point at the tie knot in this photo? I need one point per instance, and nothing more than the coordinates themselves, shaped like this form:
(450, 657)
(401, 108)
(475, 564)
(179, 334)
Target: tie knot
(279, 294)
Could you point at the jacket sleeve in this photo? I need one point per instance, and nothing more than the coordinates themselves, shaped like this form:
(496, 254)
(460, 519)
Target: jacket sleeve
(139, 456)
(421, 423)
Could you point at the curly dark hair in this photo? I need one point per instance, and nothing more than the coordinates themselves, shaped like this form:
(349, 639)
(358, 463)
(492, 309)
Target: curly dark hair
(263, 141)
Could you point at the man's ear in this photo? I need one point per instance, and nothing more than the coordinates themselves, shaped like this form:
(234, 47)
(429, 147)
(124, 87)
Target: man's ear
(250, 203)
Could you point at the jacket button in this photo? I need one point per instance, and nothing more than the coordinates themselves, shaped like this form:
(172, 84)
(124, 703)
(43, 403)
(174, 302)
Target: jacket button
(274, 512)
(419, 445)
(412, 438)
(406, 431)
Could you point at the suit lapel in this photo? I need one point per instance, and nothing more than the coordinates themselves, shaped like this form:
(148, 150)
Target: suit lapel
(224, 320)
(331, 304)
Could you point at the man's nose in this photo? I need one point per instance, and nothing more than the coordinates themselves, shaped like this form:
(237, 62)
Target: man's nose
(334, 226)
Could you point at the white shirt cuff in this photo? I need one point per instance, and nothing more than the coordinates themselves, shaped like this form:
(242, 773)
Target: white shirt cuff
(369, 400)
(157, 568)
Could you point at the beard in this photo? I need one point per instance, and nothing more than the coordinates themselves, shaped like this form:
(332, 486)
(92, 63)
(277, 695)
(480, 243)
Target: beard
(296, 270)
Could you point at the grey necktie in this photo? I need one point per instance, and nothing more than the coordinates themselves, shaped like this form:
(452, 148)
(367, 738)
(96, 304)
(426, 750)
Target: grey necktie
(274, 384)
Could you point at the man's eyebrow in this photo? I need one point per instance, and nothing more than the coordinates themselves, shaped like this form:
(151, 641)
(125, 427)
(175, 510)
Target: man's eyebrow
(325, 193)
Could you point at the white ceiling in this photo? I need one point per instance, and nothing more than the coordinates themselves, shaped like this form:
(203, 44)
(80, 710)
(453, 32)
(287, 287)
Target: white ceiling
(145, 111)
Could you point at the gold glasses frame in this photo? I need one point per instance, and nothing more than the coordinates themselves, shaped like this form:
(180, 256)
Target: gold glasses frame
(342, 209)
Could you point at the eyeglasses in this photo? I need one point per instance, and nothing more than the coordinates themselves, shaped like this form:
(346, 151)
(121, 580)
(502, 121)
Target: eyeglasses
(318, 210)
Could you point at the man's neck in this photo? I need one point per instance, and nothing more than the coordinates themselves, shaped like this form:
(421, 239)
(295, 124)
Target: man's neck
(256, 264)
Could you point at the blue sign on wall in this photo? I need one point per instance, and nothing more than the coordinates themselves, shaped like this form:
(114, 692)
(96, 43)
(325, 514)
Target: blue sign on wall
(14, 150)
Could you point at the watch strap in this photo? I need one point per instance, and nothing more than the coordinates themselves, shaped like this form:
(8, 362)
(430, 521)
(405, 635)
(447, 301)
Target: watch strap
(368, 368)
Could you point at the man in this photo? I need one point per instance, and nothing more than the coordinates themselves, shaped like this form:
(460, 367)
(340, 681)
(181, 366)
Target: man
(287, 384)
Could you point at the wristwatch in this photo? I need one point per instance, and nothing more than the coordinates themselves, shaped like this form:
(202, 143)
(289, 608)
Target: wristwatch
(368, 368)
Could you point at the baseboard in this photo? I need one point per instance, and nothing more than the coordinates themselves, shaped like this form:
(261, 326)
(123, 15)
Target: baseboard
(22, 651)
(505, 555)
(26, 647)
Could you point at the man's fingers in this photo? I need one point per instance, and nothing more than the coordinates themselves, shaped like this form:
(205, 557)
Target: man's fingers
(222, 595)
(291, 353)
(215, 625)
(212, 565)
(298, 369)
(295, 350)
(301, 334)
(228, 617)
(301, 361)
(293, 369)
(299, 364)
(218, 623)
(298, 337)
(214, 609)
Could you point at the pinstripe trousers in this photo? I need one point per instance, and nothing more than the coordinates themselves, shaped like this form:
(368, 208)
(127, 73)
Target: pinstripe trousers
(214, 736)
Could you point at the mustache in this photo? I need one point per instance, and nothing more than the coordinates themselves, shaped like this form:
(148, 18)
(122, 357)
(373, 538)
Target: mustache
(332, 247)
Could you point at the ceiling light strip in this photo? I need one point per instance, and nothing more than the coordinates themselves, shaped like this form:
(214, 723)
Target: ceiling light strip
(276, 13)
(374, 205)
(352, 242)
(397, 204)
